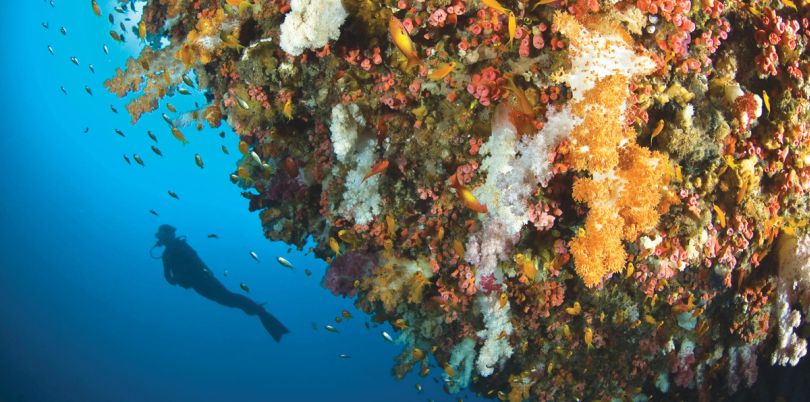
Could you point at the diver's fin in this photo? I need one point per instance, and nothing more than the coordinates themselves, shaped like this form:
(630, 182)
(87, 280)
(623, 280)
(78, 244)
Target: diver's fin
(273, 326)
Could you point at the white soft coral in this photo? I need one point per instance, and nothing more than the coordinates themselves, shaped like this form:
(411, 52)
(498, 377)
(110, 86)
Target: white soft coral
(311, 24)
(792, 287)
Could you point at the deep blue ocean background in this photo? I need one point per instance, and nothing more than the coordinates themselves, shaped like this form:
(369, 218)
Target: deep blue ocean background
(85, 313)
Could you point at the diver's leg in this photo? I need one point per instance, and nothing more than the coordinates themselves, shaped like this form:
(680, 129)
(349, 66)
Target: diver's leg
(215, 291)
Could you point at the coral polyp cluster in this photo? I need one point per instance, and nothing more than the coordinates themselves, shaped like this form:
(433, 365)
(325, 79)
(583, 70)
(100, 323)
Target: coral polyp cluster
(549, 200)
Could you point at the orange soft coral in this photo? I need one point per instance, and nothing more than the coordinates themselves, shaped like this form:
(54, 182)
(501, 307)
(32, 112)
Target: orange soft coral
(623, 204)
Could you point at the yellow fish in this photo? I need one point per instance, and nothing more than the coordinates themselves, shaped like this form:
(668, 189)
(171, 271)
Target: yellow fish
(403, 41)
(575, 310)
(493, 4)
(390, 225)
(334, 246)
(512, 27)
(287, 110)
(441, 72)
(400, 324)
(657, 130)
(589, 337)
(469, 200)
(142, 30)
(96, 8)
(721, 216)
(767, 100)
(116, 37)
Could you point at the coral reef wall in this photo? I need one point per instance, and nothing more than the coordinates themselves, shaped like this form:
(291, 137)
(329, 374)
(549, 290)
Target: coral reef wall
(550, 200)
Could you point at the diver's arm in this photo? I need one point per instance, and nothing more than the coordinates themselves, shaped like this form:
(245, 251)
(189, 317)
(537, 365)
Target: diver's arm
(167, 273)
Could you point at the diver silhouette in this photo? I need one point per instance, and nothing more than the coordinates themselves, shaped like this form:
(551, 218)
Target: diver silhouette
(183, 267)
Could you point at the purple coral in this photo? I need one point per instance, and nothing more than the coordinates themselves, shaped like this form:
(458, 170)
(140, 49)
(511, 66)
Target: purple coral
(346, 269)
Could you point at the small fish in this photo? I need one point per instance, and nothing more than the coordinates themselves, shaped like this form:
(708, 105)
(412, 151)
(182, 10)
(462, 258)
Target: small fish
(331, 328)
(242, 103)
(188, 81)
(167, 119)
(151, 135)
(142, 30)
(400, 324)
(387, 337)
(767, 99)
(62, 88)
(225, 273)
(88, 90)
(50, 49)
(116, 37)
(418, 388)
(63, 31)
(45, 24)
(334, 246)
(589, 337)
(344, 356)
(126, 159)
(307, 272)
(179, 135)
(183, 91)
(198, 160)
(114, 110)
(244, 287)
(377, 169)
(284, 262)
(86, 130)
(256, 157)
(469, 200)
(418, 354)
(213, 236)
(92, 69)
(403, 41)
(254, 256)
(74, 60)
(111, 18)
(287, 110)
(658, 129)
(171, 108)
(106, 49)
(224, 150)
(443, 71)
(153, 212)
(493, 4)
(721, 215)
(119, 132)
(96, 8)
(347, 315)
(173, 195)
(157, 151)
(575, 310)
(338, 320)
(138, 159)
(512, 25)
(221, 134)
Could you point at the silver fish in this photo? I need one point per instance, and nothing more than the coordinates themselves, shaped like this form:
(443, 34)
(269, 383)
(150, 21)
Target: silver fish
(284, 262)
(331, 329)
(92, 69)
(106, 50)
(254, 256)
(74, 60)
(50, 49)
(387, 337)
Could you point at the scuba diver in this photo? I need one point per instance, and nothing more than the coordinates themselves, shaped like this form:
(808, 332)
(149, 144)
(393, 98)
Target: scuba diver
(182, 266)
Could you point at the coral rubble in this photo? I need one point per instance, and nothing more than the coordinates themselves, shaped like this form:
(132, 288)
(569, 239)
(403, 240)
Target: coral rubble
(553, 200)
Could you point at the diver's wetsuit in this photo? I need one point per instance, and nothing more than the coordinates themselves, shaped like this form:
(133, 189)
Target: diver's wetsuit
(182, 266)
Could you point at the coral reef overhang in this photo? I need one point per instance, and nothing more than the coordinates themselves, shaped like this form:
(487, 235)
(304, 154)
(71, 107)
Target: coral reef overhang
(554, 200)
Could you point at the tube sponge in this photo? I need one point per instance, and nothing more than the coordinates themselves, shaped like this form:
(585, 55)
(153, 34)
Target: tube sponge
(311, 24)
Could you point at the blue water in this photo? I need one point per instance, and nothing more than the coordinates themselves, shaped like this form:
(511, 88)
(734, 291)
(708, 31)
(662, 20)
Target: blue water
(85, 313)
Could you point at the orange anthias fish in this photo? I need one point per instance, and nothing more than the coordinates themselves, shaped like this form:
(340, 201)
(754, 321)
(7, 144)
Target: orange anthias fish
(179, 135)
(442, 71)
(469, 200)
(96, 8)
(377, 169)
(403, 41)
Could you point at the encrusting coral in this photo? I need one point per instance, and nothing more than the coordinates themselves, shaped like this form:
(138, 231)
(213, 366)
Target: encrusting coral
(564, 200)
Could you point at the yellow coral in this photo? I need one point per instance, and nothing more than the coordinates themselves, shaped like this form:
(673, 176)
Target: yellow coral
(200, 41)
(397, 281)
